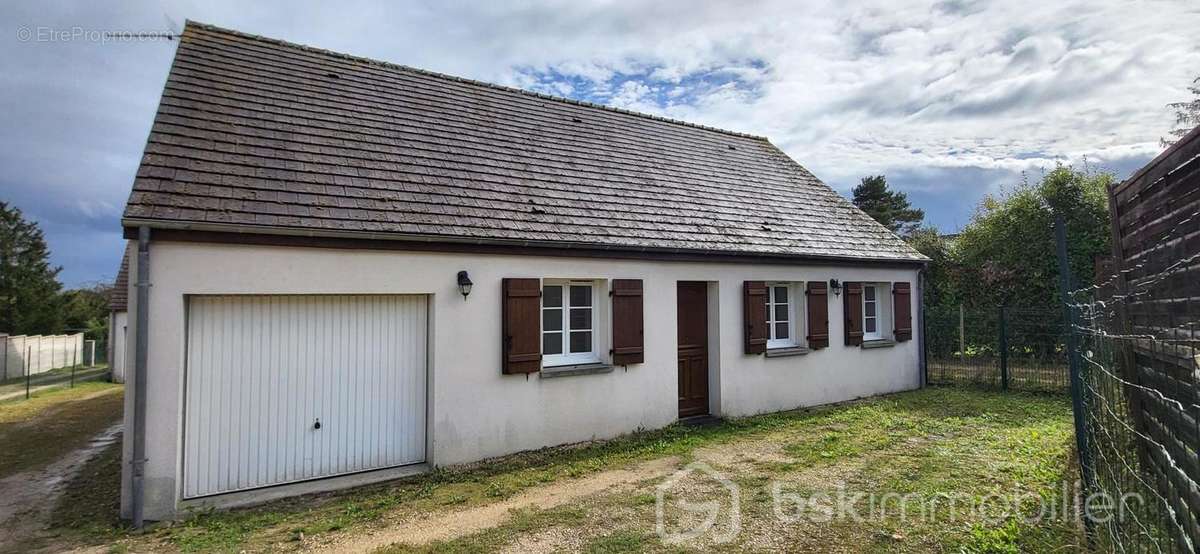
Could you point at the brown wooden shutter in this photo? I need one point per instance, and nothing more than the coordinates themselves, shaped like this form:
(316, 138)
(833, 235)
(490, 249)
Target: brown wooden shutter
(852, 300)
(521, 338)
(754, 305)
(628, 344)
(902, 308)
(818, 314)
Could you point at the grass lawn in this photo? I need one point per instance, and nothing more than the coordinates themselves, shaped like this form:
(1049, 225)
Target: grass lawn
(53, 374)
(601, 497)
(53, 422)
(61, 376)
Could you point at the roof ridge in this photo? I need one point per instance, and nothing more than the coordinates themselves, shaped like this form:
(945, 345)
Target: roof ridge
(464, 80)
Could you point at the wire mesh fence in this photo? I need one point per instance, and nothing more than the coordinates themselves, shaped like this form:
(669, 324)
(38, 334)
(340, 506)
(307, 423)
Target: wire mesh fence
(1002, 347)
(1122, 456)
(1138, 362)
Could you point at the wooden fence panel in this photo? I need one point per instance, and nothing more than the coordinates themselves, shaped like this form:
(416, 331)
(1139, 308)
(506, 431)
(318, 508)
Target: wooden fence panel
(1156, 264)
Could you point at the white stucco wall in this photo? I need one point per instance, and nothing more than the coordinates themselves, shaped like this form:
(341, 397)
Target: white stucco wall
(117, 323)
(475, 411)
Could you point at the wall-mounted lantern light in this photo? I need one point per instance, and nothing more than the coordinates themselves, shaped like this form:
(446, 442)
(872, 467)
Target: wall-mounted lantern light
(836, 287)
(464, 284)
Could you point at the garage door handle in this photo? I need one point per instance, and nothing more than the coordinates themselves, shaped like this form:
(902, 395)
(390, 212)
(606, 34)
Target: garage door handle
(317, 425)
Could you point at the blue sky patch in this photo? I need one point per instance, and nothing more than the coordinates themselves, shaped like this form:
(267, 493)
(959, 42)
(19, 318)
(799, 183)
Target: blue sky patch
(647, 87)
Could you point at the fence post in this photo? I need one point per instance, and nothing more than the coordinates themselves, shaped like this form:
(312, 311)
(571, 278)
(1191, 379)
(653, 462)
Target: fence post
(28, 355)
(1003, 348)
(74, 364)
(962, 334)
(1073, 363)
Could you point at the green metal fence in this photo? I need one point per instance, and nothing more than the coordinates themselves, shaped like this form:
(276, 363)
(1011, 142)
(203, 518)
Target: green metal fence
(1003, 347)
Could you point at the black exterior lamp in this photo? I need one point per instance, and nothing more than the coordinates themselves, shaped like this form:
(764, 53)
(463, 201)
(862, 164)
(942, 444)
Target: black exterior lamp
(464, 284)
(836, 287)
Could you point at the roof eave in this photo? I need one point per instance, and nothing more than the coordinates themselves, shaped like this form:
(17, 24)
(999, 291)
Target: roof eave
(236, 229)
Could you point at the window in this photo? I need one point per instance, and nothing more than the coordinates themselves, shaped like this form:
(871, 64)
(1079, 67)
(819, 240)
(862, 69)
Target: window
(568, 323)
(871, 313)
(782, 307)
(876, 311)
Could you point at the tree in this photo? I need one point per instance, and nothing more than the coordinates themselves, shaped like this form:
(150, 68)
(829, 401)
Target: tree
(1187, 114)
(86, 310)
(940, 269)
(890, 208)
(1007, 253)
(29, 287)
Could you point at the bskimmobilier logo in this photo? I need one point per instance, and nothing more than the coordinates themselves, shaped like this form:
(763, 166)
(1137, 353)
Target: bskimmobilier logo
(678, 519)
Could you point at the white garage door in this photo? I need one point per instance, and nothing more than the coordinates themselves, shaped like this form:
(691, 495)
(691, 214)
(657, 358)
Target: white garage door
(264, 371)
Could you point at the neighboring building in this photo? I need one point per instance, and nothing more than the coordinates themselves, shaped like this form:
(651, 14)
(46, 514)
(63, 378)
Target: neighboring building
(118, 320)
(314, 219)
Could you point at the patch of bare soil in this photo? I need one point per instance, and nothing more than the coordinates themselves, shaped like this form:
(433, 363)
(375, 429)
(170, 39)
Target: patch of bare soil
(26, 498)
(450, 525)
(764, 451)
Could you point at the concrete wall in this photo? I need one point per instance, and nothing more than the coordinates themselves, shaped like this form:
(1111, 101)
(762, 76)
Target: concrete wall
(40, 353)
(475, 412)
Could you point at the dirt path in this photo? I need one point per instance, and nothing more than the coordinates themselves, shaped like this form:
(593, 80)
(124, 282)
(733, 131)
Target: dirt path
(450, 525)
(458, 523)
(27, 498)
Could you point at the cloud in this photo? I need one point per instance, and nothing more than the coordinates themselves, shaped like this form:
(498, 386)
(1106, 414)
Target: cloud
(631, 93)
(949, 99)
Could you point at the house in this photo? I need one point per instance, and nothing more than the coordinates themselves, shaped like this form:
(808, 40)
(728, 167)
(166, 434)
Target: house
(355, 270)
(118, 321)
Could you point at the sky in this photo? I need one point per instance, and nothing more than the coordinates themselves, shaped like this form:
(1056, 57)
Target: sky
(951, 100)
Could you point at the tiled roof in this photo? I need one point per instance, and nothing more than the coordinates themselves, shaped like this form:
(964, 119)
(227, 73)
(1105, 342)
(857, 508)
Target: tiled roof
(118, 299)
(254, 133)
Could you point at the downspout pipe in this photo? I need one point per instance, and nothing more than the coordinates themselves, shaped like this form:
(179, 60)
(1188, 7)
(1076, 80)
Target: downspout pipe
(141, 347)
(923, 378)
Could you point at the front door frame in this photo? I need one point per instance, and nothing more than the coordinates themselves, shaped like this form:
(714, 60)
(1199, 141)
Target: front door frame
(693, 355)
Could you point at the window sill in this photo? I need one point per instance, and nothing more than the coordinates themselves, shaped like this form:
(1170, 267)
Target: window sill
(786, 351)
(577, 369)
(879, 343)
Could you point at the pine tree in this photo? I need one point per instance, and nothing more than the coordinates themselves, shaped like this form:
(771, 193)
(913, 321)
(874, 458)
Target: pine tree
(29, 287)
(888, 207)
(1187, 115)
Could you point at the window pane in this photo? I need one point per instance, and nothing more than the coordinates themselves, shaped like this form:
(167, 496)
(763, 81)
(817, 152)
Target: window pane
(581, 341)
(869, 293)
(581, 318)
(552, 320)
(781, 295)
(870, 325)
(552, 296)
(581, 295)
(869, 309)
(781, 312)
(781, 330)
(552, 343)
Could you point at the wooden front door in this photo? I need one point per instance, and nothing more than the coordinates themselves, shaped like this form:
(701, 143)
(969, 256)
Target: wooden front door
(693, 348)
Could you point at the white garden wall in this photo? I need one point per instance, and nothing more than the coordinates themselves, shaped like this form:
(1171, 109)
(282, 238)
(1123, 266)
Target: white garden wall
(474, 411)
(42, 353)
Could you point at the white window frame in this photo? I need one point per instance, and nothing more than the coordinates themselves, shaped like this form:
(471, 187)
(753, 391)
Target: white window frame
(882, 311)
(794, 309)
(567, 357)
